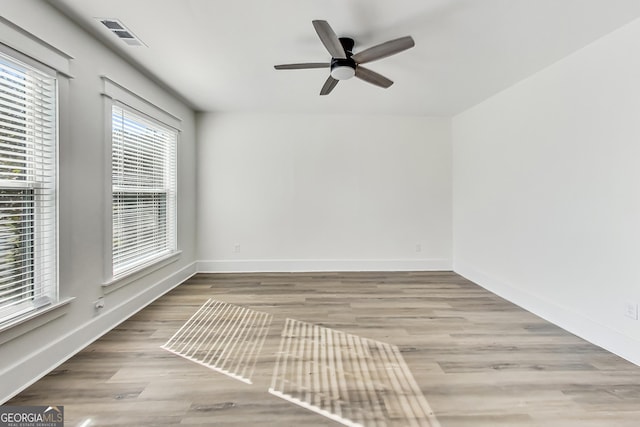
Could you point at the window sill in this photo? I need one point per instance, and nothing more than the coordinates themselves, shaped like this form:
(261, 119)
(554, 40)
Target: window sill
(145, 270)
(32, 320)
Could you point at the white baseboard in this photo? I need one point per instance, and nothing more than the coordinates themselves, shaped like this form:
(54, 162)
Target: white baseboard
(313, 265)
(46, 359)
(566, 318)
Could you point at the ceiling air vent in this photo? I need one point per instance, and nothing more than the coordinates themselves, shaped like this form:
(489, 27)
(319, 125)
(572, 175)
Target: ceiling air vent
(122, 32)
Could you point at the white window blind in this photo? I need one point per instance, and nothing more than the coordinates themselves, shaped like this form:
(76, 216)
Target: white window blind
(143, 192)
(28, 134)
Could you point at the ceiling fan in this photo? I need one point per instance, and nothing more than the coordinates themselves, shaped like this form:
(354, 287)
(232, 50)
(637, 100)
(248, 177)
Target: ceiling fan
(344, 64)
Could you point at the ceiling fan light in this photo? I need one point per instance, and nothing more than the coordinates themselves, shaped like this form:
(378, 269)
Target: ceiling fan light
(342, 72)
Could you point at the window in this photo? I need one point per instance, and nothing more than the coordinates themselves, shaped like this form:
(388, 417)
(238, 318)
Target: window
(143, 172)
(28, 141)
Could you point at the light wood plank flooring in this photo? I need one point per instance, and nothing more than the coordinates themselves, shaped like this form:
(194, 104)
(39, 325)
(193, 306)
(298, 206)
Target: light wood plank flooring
(477, 359)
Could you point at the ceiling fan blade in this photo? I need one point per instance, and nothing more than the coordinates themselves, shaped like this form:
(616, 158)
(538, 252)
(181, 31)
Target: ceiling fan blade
(372, 77)
(302, 66)
(328, 86)
(384, 49)
(329, 39)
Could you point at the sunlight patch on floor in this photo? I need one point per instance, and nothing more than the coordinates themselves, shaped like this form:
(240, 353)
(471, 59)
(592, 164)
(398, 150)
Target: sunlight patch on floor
(347, 378)
(224, 337)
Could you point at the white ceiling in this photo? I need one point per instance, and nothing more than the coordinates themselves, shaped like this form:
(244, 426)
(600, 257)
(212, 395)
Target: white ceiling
(219, 55)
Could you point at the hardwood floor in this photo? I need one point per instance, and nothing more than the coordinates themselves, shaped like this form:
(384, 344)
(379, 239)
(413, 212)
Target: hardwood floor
(477, 359)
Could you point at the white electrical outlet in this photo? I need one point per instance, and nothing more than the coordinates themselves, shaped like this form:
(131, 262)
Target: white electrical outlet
(631, 310)
(236, 248)
(418, 247)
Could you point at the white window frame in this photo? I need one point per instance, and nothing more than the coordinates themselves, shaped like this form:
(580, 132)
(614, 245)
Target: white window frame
(120, 97)
(44, 255)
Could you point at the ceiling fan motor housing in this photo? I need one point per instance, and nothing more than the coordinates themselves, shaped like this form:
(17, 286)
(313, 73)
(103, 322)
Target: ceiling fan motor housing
(341, 68)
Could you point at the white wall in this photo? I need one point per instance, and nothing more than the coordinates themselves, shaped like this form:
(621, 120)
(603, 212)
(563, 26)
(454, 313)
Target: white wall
(305, 192)
(547, 192)
(28, 352)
